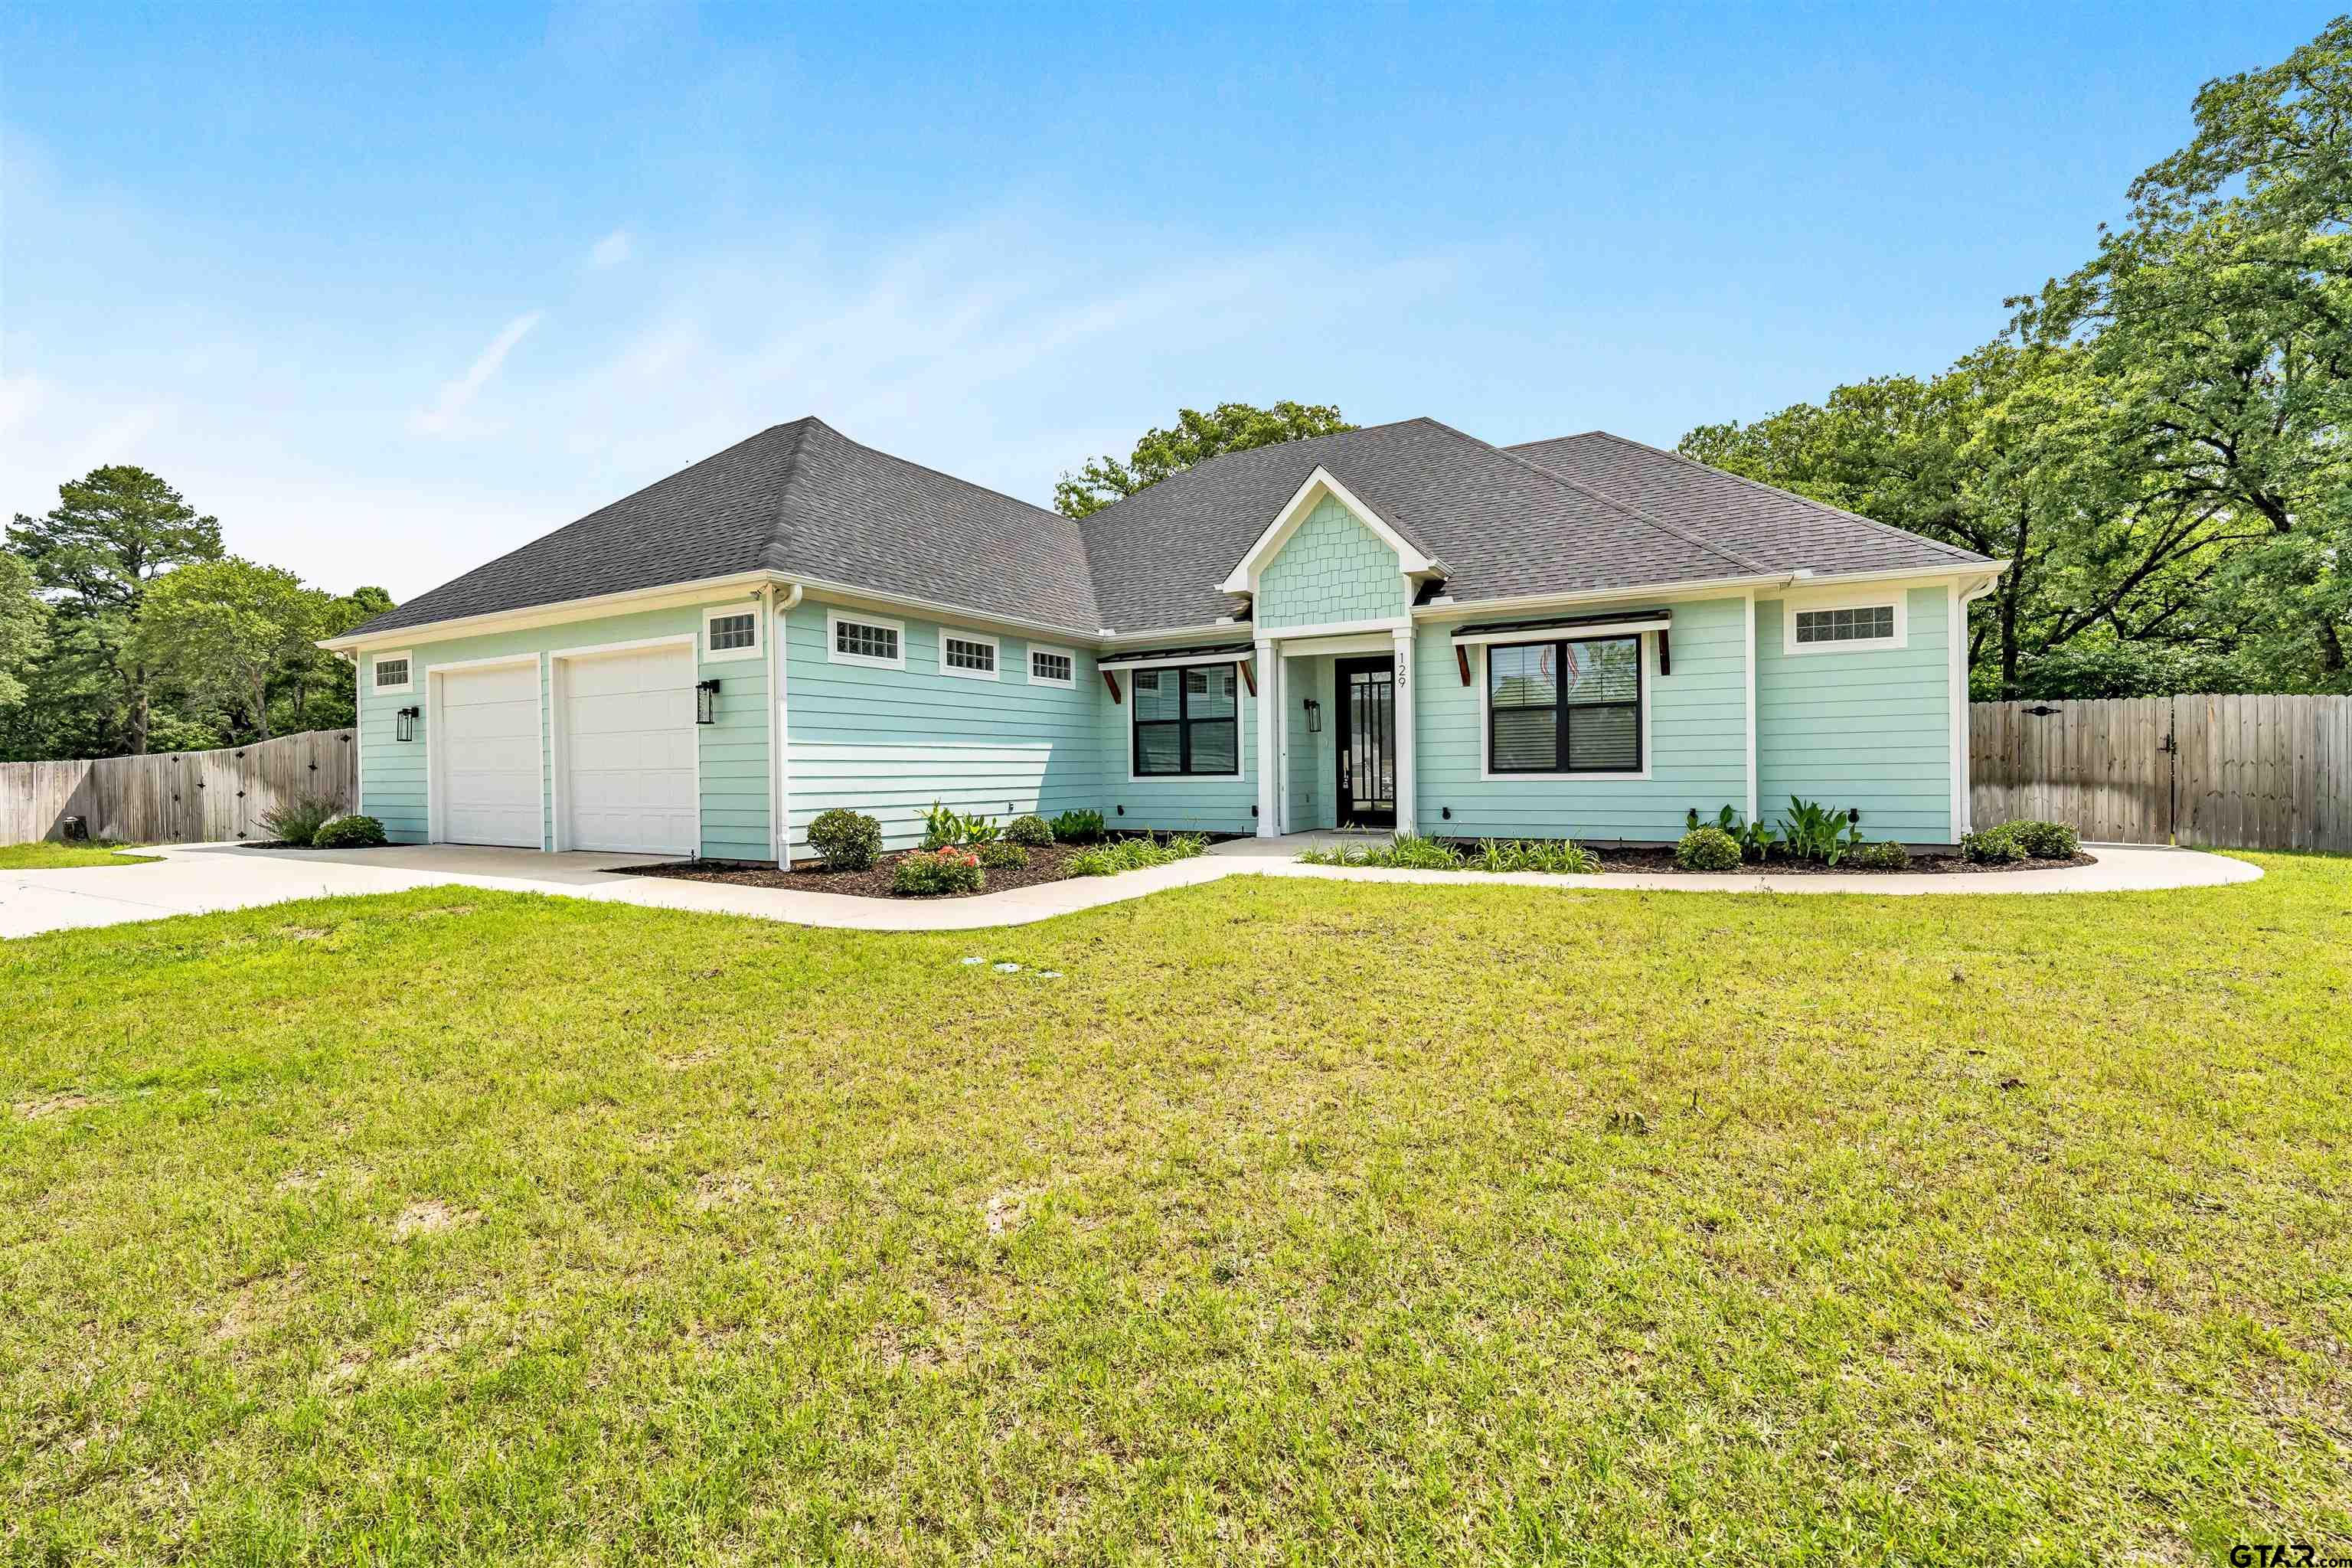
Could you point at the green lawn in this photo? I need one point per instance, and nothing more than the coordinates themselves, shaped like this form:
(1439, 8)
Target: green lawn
(50, 855)
(1297, 1221)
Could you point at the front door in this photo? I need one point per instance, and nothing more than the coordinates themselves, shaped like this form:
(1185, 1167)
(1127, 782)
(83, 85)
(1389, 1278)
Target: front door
(1367, 704)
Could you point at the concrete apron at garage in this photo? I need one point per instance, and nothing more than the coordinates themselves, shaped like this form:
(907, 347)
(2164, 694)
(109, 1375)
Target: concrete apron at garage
(201, 878)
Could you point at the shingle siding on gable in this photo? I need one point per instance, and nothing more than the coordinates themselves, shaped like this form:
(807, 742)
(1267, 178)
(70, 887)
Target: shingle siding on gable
(1332, 568)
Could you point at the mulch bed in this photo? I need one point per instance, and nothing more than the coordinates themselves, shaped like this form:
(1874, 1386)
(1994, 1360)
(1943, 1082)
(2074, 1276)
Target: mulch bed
(1049, 865)
(1661, 859)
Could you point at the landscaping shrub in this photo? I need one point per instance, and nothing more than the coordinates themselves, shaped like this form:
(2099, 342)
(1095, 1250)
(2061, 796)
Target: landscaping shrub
(1029, 831)
(1707, 849)
(2046, 840)
(1078, 827)
(1137, 853)
(1411, 852)
(1886, 856)
(926, 872)
(1812, 832)
(849, 840)
(299, 821)
(1757, 840)
(349, 833)
(1003, 855)
(1993, 846)
(1560, 857)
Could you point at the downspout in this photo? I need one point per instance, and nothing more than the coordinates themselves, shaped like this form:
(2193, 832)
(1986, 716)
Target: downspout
(779, 782)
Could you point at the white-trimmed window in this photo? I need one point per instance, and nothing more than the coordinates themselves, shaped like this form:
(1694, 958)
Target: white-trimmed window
(730, 631)
(1053, 667)
(866, 639)
(1844, 626)
(392, 672)
(968, 654)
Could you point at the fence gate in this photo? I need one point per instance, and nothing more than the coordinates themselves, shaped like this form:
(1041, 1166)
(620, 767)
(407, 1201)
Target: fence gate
(2219, 771)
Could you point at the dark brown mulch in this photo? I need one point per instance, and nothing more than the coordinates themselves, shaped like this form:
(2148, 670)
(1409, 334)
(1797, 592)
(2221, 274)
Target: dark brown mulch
(1662, 858)
(1048, 865)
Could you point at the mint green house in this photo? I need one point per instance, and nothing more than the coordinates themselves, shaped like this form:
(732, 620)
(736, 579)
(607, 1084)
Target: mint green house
(1395, 626)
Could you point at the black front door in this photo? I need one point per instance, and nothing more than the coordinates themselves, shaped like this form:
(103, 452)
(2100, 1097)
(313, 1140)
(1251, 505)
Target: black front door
(1367, 704)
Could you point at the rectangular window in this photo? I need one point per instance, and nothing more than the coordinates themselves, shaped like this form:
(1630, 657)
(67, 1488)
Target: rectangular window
(731, 634)
(862, 641)
(1569, 707)
(967, 655)
(1866, 623)
(392, 672)
(1051, 667)
(1188, 720)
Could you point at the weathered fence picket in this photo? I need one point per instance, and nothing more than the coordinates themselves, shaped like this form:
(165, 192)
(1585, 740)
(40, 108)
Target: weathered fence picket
(177, 797)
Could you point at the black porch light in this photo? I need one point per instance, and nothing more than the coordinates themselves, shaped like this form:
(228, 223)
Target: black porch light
(706, 702)
(1314, 717)
(404, 723)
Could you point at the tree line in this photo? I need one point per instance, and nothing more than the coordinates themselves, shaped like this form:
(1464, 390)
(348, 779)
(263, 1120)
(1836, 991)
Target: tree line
(126, 628)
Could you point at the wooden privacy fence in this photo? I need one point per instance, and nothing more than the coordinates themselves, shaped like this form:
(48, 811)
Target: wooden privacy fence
(2224, 772)
(177, 797)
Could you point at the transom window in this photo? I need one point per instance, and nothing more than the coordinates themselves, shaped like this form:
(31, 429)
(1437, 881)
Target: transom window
(1188, 719)
(734, 631)
(872, 641)
(392, 672)
(1566, 707)
(963, 655)
(1866, 623)
(1051, 669)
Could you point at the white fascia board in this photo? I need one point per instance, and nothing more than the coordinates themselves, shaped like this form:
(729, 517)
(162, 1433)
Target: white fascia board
(666, 595)
(1572, 634)
(1243, 577)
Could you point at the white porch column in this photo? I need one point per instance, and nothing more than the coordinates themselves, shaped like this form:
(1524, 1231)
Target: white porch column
(1408, 819)
(1269, 747)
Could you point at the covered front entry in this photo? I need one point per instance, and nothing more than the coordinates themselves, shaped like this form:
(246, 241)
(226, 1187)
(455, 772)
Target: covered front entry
(1364, 694)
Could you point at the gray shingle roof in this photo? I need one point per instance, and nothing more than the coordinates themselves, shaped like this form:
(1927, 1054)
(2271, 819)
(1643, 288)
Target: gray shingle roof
(1580, 514)
(795, 498)
(1784, 531)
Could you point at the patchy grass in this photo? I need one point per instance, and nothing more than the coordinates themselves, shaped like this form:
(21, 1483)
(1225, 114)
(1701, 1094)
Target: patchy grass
(1297, 1221)
(50, 855)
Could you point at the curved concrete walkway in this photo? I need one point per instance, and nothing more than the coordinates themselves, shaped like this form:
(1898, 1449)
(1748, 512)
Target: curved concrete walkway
(201, 878)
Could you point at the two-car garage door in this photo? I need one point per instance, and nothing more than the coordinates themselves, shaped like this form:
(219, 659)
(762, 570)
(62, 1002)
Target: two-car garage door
(623, 745)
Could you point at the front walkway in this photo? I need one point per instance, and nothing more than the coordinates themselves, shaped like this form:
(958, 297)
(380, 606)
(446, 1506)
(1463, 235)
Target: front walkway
(201, 878)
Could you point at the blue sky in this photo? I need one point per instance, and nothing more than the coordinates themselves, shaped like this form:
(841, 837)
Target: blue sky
(391, 290)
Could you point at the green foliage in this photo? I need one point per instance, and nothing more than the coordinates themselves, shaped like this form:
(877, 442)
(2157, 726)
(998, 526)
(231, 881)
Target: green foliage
(944, 826)
(24, 627)
(1003, 855)
(220, 630)
(1136, 854)
(1196, 438)
(2046, 840)
(1883, 856)
(1812, 832)
(848, 840)
(1707, 849)
(1078, 827)
(1411, 852)
(1559, 856)
(297, 821)
(1993, 846)
(1757, 840)
(1030, 831)
(926, 873)
(349, 833)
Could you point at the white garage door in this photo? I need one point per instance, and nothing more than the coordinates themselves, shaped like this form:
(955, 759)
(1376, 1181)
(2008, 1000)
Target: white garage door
(488, 756)
(628, 726)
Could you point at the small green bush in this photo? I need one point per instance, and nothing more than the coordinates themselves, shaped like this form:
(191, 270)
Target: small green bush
(1003, 855)
(1560, 857)
(299, 821)
(349, 833)
(1993, 846)
(1814, 832)
(1078, 827)
(1029, 831)
(1888, 856)
(1707, 849)
(1411, 852)
(849, 840)
(1137, 853)
(2046, 840)
(926, 873)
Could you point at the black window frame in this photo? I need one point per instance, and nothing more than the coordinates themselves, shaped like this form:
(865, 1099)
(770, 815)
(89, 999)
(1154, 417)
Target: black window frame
(1561, 708)
(1183, 724)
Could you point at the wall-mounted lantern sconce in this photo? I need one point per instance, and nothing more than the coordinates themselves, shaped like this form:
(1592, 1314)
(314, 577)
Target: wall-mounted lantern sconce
(1314, 717)
(706, 702)
(404, 723)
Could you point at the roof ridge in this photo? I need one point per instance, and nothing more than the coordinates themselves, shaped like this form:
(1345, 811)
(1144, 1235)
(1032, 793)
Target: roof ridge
(938, 473)
(1744, 563)
(1903, 533)
(774, 551)
(1246, 451)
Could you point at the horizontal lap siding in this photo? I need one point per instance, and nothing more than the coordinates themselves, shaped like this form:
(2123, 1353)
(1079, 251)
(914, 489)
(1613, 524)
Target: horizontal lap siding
(1698, 743)
(888, 742)
(733, 754)
(1331, 568)
(1870, 729)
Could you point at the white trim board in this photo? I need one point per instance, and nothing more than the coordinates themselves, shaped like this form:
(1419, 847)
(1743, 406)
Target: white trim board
(833, 654)
(1243, 579)
(995, 670)
(750, 610)
(388, 654)
(1794, 605)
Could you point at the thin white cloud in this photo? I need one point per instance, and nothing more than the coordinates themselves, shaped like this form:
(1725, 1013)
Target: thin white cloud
(442, 417)
(19, 397)
(612, 250)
